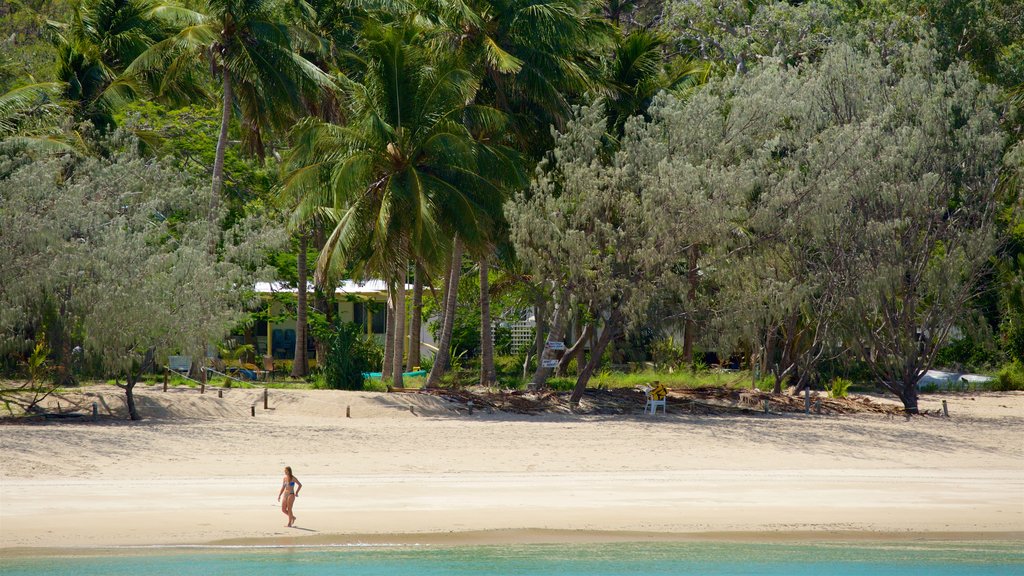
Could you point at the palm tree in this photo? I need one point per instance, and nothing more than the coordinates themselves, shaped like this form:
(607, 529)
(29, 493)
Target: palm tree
(403, 177)
(94, 49)
(638, 71)
(252, 55)
(29, 118)
(534, 57)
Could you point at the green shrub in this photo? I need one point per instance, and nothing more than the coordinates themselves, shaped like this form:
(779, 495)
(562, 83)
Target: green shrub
(562, 384)
(374, 385)
(765, 383)
(1010, 377)
(666, 354)
(838, 387)
(349, 354)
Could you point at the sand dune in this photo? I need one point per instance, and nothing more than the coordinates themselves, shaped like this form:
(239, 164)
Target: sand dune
(201, 469)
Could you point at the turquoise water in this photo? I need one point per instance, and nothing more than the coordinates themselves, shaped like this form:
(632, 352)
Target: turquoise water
(704, 559)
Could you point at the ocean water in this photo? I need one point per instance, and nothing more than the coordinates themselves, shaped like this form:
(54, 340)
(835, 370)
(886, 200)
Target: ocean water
(694, 558)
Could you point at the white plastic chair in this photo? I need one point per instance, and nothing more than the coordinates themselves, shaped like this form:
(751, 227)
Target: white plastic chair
(652, 403)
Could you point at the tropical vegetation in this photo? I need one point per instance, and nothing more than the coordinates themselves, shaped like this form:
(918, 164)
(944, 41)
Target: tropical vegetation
(816, 192)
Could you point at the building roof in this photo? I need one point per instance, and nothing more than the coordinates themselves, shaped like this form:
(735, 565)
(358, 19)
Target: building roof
(346, 287)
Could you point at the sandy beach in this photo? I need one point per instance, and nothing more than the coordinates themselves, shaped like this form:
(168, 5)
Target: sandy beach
(415, 468)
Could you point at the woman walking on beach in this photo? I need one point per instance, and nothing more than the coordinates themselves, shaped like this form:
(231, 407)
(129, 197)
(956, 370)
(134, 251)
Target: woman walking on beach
(289, 489)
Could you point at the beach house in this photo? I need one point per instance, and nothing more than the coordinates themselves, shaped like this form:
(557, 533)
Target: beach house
(364, 303)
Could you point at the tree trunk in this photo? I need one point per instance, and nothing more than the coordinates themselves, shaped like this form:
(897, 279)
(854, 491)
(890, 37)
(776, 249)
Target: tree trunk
(557, 334)
(222, 143)
(399, 345)
(300, 365)
(610, 329)
(690, 327)
(416, 321)
(540, 325)
(488, 375)
(387, 369)
(575, 352)
(129, 395)
(909, 397)
(324, 300)
(451, 291)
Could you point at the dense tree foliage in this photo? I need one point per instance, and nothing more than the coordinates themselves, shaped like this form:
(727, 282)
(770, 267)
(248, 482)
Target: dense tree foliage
(803, 185)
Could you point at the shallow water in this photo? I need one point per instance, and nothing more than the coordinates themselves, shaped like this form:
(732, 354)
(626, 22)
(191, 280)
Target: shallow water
(693, 558)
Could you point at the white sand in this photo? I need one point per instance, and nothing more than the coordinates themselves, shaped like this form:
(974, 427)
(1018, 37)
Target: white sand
(200, 469)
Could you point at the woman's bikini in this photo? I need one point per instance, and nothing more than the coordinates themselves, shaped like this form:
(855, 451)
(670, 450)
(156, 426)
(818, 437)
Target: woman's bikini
(290, 486)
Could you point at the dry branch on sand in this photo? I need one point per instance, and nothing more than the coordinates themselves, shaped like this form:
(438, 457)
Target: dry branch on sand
(705, 400)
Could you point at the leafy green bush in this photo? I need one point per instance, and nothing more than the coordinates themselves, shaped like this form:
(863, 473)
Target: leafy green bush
(666, 354)
(838, 387)
(1011, 377)
(502, 340)
(349, 354)
(765, 383)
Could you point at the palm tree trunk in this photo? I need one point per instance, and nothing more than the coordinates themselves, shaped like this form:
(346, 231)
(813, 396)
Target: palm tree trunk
(399, 345)
(324, 299)
(451, 291)
(222, 143)
(300, 365)
(416, 321)
(488, 375)
(389, 337)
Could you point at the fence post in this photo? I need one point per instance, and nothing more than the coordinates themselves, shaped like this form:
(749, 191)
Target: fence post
(165, 378)
(95, 412)
(265, 405)
(220, 393)
(766, 406)
(945, 409)
(253, 408)
(807, 400)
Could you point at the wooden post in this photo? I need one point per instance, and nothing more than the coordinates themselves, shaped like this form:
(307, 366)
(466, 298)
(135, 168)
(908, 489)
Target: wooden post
(807, 400)
(348, 411)
(265, 405)
(253, 407)
(220, 393)
(412, 409)
(945, 409)
(165, 378)
(202, 382)
(470, 406)
(766, 406)
(817, 406)
(95, 412)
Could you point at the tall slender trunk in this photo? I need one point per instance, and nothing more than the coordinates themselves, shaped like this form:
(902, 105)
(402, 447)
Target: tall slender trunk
(389, 337)
(575, 352)
(222, 143)
(540, 325)
(488, 375)
(611, 328)
(557, 334)
(324, 299)
(399, 345)
(451, 292)
(690, 327)
(300, 365)
(416, 321)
